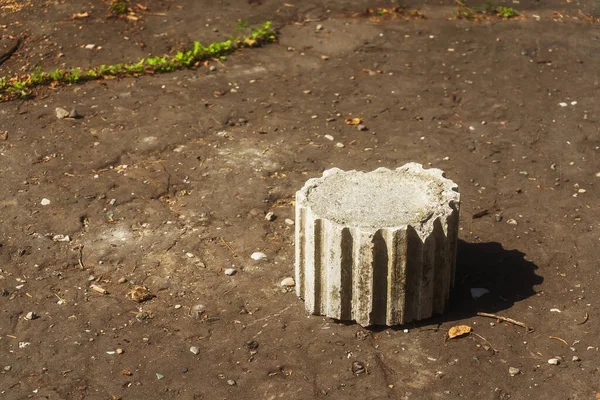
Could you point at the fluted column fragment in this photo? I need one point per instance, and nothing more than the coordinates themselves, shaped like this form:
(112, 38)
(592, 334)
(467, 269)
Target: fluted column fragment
(377, 247)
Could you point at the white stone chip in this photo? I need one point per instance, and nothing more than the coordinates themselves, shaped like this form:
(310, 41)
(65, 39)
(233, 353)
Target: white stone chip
(258, 256)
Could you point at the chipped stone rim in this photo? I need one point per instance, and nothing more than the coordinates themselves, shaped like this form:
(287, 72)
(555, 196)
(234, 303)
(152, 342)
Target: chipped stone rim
(444, 198)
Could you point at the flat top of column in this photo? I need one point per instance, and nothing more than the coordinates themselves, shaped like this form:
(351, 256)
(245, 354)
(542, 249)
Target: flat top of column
(409, 195)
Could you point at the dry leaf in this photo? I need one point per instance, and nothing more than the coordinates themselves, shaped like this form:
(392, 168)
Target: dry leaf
(80, 15)
(140, 294)
(141, 7)
(458, 331)
(352, 121)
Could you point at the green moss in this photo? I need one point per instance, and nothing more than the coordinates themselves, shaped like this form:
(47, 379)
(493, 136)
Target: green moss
(119, 7)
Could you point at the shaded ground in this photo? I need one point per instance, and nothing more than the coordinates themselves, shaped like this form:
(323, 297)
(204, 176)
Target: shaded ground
(165, 181)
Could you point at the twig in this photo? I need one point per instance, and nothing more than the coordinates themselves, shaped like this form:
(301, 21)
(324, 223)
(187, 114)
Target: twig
(432, 329)
(585, 319)
(80, 260)
(505, 319)
(60, 298)
(480, 214)
(557, 338)
(485, 340)
(227, 245)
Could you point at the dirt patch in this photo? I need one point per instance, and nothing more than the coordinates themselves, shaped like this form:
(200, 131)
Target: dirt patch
(165, 180)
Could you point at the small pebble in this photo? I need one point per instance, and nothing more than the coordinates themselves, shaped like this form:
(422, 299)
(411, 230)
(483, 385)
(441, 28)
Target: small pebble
(288, 282)
(340, 145)
(575, 359)
(258, 256)
(511, 222)
(120, 351)
(61, 238)
(195, 350)
(7, 368)
(358, 368)
(31, 316)
(524, 173)
(198, 310)
(319, 27)
(270, 216)
(177, 306)
(189, 255)
(553, 167)
(73, 114)
(212, 68)
(289, 221)
(514, 371)
(184, 370)
(252, 345)
(498, 218)
(230, 271)
(362, 127)
(122, 280)
(328, 137)
(563, 104)
(45, 202)
(231, 382)
(90, 46)
(159, 376)
(61, 113)
(553, 361)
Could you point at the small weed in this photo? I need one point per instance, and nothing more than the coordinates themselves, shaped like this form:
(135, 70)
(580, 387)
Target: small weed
(241, 25)
(119, 7)
(11, 88)
(399, 12)
(507, 12)
(464, 11)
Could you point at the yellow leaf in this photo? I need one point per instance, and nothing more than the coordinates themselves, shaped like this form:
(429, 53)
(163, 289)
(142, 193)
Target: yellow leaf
(459, 330)
(352, 121)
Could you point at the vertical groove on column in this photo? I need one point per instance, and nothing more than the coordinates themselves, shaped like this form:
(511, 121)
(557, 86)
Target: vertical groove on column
(427, 279)
(396, 276)
(318, 246)
(414, 256)
(333, 260)
(309, 265)
(441, 274)
(363, 301)
(452, 235)
(346, 286)
(380, 279)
